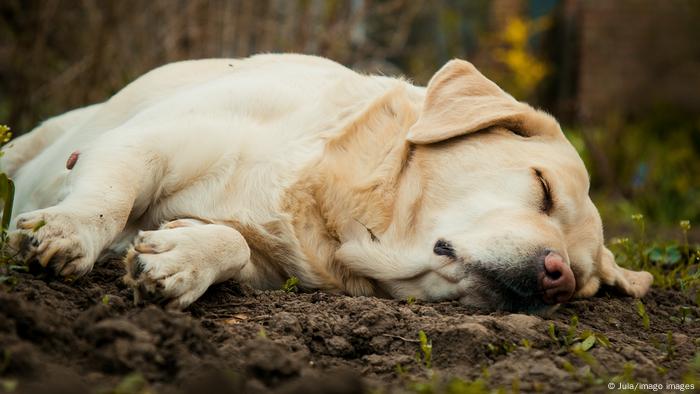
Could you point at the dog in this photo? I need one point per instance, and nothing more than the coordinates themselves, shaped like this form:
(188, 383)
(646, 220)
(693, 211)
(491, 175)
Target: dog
(279, 166)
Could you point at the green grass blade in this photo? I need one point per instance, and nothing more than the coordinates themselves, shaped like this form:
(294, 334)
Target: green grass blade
(7, 193)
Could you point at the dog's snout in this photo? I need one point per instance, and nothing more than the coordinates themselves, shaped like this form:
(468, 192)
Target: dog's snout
(541, 279)
(557, 282)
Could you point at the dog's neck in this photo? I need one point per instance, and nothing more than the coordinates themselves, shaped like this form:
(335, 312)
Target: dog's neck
(355, 182)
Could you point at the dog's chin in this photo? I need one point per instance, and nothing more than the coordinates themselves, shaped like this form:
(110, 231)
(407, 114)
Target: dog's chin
(495, 301)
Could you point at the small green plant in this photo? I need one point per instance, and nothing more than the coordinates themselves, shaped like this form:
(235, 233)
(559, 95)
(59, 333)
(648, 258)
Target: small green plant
(577, 342)
(133, 383)
(692, 375)
(571, 331)
(509, 346)
(291, 285)
(493, 349)
(642, 312)
(552, 331)
(673, 264)
(485, 373)
(586, 344)
(588, 339)
(627, 374)
(572, 370)
(638, 219)
(685, 227)
(6, 359)
(400, 370)
(592, 364)
(426, 348)
(670, 346)
(7, 194)
(105, 299)
(5, 135)
(515, 386)
(568, 367)
(505, 348)
(411, 300)
(9, 385)
(459, 386)
(686, 314)
(600, 339)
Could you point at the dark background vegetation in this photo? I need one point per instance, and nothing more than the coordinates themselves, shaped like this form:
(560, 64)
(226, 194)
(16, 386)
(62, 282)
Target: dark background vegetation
(622, 76)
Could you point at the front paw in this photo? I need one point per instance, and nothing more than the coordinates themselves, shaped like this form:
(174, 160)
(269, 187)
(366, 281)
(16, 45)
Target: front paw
(55, 241)
(167, 267)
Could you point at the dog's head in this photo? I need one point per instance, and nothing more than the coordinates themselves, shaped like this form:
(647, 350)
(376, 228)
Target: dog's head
(491, 207)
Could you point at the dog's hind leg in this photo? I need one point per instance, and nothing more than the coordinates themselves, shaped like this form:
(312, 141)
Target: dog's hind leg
(176, 264)
(26, 147)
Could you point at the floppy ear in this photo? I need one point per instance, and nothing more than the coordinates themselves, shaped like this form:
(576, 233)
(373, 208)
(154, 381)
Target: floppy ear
(460, 100)
(632, 283)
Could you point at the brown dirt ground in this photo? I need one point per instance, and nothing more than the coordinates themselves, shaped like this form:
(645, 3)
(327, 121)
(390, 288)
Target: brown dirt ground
(88, 337)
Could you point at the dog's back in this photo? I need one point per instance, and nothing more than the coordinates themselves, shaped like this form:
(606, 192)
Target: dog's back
(269, 104)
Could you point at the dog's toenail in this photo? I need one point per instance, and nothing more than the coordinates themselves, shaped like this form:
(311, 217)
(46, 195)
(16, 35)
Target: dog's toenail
(26, 242)
(138, 267)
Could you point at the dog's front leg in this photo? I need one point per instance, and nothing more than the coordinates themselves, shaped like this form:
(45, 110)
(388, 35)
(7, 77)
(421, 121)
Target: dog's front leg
(177, 263)
(108, 183)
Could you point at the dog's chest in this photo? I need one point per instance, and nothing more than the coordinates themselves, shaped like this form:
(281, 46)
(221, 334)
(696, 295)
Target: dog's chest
(246, 187)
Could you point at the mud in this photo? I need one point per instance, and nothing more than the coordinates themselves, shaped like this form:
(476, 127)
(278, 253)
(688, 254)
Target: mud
(88, 337)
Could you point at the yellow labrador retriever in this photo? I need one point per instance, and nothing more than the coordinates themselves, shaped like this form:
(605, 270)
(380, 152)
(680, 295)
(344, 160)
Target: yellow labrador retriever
(276, 166)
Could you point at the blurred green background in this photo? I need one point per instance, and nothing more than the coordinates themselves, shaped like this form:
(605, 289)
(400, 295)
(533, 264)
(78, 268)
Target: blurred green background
(622, 76)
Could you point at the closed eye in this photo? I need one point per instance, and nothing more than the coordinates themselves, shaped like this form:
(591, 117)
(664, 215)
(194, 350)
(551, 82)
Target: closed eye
(547, 203)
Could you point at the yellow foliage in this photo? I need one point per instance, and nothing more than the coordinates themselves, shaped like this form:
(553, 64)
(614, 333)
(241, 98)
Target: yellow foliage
(524, 70)
(516, 33)
(5, 134)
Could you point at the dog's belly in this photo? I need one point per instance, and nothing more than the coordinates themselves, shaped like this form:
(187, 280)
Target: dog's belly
(50, 191)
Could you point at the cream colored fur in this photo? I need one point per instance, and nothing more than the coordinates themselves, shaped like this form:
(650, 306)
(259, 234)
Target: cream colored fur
(287, 165)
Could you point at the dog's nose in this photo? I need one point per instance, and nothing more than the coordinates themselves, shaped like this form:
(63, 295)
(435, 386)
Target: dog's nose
(558, 283)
